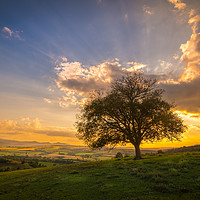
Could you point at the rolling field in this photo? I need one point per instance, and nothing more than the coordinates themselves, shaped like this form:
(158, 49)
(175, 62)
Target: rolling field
(158, 177)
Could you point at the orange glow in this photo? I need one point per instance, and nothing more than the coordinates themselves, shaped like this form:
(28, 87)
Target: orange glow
(26, 129)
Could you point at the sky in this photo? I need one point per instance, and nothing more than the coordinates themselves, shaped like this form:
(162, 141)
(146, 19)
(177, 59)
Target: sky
(54, 53)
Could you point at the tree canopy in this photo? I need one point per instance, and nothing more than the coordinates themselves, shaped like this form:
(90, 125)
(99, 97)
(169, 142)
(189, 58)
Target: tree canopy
(131, 110)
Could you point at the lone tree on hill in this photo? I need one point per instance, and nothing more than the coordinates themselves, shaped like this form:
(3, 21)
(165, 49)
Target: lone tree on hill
(131, 111)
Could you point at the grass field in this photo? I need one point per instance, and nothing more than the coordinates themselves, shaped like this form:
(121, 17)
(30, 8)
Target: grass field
(67, 152)
(159, 177)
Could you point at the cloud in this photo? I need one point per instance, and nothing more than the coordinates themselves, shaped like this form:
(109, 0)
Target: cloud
(78, 81)
(135, 66)
(185, 87)
(7, 30)
(185, 94)
(126, 17)
(192, 12)
(176, 57)
(47, 100)
(50, 89)
(178, 4)
(191, 49)
(27, 126)
(146, 9)
(191, 56)
(8, 33)
(163, 67)
(194, 21)
(190, 118)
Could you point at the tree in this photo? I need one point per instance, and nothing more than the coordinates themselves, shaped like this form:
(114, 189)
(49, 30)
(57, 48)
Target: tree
(132, 110)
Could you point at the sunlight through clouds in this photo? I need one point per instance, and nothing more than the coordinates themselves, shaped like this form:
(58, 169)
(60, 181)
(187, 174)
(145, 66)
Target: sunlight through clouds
(191, 49)
(178, 4)
(78, 81)
(27, 125)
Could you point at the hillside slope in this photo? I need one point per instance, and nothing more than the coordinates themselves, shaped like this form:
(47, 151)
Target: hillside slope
(194, 148)
(155, 177)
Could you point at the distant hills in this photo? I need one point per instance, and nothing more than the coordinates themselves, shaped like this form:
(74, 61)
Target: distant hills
(13, 143)
(184, 149)
(6, 143)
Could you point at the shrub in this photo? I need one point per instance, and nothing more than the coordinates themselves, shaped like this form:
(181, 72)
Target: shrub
(2, 160)
(174, 172)
(74, 172)
(126, 155)
(161, 187)
(119, 155)
(160, 152)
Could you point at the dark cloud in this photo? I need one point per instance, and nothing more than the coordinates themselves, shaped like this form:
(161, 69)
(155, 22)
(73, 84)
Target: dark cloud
(81, 85)
(78, 81)
(186, 94)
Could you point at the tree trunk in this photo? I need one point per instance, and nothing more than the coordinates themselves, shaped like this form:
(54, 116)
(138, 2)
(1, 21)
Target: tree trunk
(137, 152)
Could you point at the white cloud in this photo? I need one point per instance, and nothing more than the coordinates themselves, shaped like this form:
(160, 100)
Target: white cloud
(7, 30)
(163, 67)
(178, 4)
(146, 9)
(191, 49)
(50, 89)
(78, 81)
(192, 12)
(135, 66)
(8, 33)
(19, 125)
(191, 56)
(47, 100)
(194, 21)
(176, 57)
(27, 126)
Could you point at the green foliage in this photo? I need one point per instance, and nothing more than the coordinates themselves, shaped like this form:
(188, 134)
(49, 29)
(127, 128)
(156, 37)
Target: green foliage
(126, 155)
(132, 110)
(119, 155)
(4, 160)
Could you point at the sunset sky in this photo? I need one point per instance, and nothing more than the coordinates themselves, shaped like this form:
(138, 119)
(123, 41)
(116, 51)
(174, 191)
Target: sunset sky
(53, 53)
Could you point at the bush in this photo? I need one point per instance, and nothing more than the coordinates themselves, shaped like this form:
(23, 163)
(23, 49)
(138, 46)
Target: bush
(126, 155)
(119, 155)
(160, 152)
(2, 160)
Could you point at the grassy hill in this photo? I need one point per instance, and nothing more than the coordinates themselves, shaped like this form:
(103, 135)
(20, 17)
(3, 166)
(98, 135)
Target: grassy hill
(165, 177)
(194, 148)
